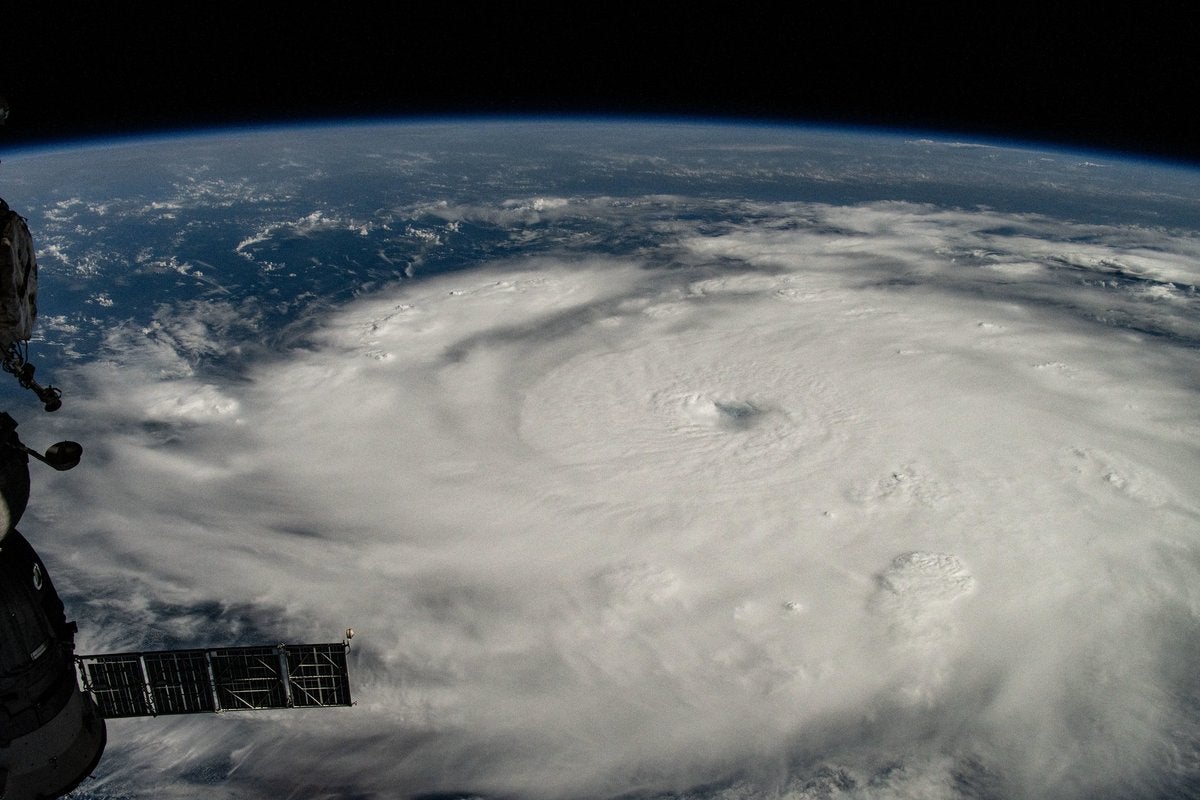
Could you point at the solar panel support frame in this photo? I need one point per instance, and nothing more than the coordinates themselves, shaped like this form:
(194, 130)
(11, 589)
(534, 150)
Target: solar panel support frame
(165, 682)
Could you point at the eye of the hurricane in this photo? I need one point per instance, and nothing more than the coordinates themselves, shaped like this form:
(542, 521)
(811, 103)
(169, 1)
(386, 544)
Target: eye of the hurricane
(725, 414)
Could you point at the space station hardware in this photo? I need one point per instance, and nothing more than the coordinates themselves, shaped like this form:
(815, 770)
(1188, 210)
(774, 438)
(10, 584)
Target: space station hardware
(51, 735)
(162, 682)
(54, 703)
(18, 304)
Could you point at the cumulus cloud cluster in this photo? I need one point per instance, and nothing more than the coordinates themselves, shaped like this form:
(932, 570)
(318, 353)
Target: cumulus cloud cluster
(840, 501)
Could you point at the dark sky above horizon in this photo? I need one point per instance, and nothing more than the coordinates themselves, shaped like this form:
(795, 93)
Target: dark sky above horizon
(1123, 81)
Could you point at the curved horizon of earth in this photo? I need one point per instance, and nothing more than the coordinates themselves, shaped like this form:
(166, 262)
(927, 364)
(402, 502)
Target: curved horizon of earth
(648, 459)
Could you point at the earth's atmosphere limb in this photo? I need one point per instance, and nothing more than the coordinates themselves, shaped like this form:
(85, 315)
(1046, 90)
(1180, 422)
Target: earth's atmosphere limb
(643, 489)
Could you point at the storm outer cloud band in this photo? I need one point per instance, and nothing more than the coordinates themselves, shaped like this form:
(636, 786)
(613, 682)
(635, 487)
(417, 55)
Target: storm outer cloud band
(846, 497)
(643, 486)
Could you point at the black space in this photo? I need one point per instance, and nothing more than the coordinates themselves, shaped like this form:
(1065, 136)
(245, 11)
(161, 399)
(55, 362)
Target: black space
(1125, 80)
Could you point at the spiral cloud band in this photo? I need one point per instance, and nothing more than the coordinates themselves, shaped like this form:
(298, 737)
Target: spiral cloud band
(868, 500)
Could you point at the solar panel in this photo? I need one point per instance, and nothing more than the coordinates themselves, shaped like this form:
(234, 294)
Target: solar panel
(117, 685)
(249, 677)
(178, 681)
(317, 675)
(221, 679)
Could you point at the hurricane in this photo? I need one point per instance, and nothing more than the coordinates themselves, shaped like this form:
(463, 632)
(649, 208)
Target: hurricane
(646, 462)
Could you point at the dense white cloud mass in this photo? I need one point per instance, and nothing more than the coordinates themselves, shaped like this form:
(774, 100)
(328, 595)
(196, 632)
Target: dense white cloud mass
(775, 499)
(852, 501)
